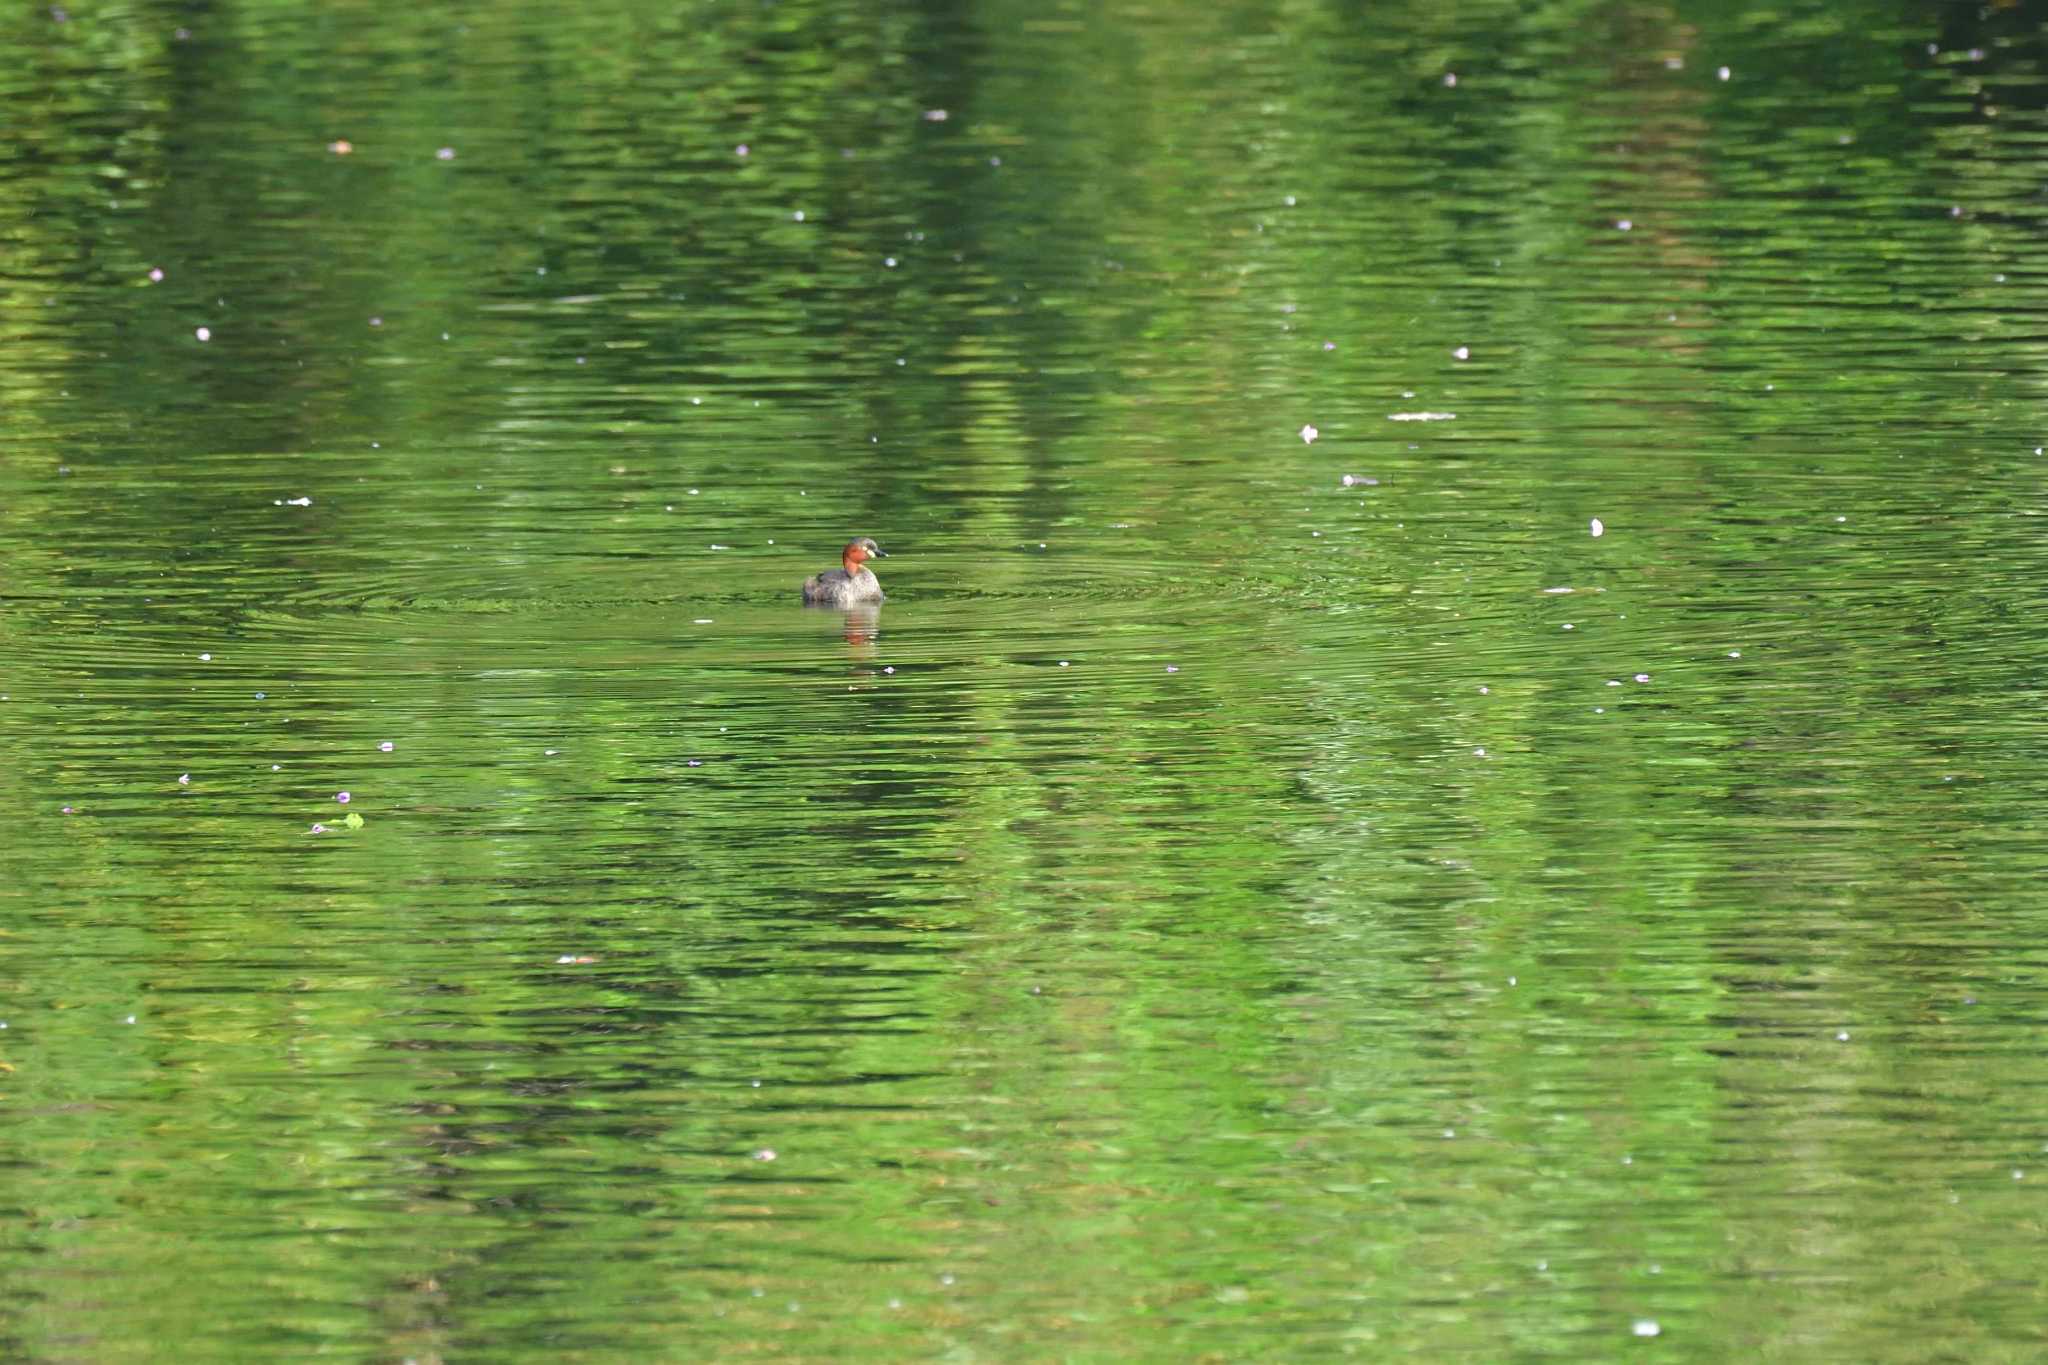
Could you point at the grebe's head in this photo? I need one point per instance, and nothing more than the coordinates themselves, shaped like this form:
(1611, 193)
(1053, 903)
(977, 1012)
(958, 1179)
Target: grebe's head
(859, 551)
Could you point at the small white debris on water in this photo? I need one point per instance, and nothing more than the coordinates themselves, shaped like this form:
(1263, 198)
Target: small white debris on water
(1842, 1037)
(1734, 653)
(1554, 592)
(1359, 481)
(1173, 668)
(1624, 224)
(1421, 416)
(1646, 1327)
(1722, 73)
(1462, 353)
(1599, 528)
(203, 333)
(184, 779)
(1063, 663)
(206, 658)
(701, 621)
(1309, 434)
(386, 747)
(444, 154)
(1569, 626)
(1642, 677)
(1450, 79)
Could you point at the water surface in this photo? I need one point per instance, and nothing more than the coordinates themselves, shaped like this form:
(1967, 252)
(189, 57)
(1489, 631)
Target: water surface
(1214, 909)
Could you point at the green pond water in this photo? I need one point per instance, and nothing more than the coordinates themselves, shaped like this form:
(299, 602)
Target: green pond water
(1572, 889)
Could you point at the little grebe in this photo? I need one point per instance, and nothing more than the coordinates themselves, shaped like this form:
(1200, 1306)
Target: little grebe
(851, 585)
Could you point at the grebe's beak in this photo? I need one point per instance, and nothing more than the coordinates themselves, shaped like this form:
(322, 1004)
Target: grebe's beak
(881, 553)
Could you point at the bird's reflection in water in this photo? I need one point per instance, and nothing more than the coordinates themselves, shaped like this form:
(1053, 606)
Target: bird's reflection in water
(863, 623)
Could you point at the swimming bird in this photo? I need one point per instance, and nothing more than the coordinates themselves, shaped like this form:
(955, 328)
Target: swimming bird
(850, 585)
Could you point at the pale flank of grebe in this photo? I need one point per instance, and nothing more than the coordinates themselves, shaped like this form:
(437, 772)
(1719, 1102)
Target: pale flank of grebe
(851, 585)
